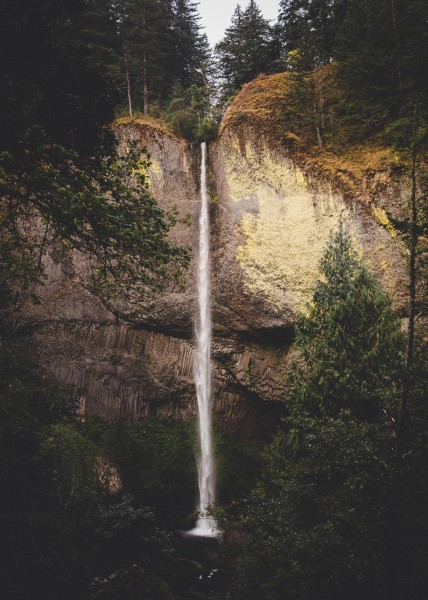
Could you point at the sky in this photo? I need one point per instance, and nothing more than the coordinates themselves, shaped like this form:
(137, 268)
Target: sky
(216, 15)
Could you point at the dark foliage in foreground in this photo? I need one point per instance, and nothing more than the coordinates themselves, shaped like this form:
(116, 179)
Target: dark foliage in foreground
(323, 521)
(91, 509)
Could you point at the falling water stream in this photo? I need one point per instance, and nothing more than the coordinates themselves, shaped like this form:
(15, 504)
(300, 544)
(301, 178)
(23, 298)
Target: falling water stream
(205, 526)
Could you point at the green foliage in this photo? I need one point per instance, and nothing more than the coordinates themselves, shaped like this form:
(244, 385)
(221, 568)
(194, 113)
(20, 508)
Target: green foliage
(301, 112)
(316, 526)
(413, 525)
(309, 27)
(55, 59)
(102, 208)
(350, 339)
(249, 47)
(162, 46)
(408, 132)
(381, 47)
(70, 460)
(63, 535)
(59, 164)
(156, 460)
(191, 53)
(27, 405)
(189, 114)
(239, 464)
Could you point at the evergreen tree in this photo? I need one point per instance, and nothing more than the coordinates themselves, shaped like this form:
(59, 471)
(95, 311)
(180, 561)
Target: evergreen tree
(382, 48)
(409, 137)
(190, 115)
(54, 72)
(247, 49)
(146, 30)
(349, 340)
(256, 35)
(309, 27)
(316, 526)
(368, 53)
(65, 534)
(162, 46)
(191, 48)
(229, 52)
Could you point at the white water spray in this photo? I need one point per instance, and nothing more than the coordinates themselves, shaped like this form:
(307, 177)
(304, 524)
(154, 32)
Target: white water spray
(205, 526)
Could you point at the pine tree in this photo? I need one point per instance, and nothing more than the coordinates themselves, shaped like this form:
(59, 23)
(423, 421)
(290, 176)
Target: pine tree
(309, 27)
(162, 45)
(308, 31)
(147, 36)
(54, 65)
(382, 47)
(191, 48)
(256, 35)
(228, 53)
(350, 339)
(316, 526)
(367, 52)
(247, 49)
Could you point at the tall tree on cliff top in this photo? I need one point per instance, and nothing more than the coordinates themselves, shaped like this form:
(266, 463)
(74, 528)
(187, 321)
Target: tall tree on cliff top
(164, 46)
(246, 50)
(382, 47)
(147, 36)
(192, 52)
(309, 27)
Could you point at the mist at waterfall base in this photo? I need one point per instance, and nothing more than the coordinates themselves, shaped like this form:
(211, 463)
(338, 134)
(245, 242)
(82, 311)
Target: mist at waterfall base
(205, 526)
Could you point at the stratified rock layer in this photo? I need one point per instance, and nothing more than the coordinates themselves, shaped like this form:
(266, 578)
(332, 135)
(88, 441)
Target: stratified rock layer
(270, 224)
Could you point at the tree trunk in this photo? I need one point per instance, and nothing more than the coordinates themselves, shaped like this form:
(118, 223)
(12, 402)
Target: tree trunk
(145, 82)
(128, 87)
(396, 40)
(321, 100)
(393, 559)
(145, 87)
(317, 110)
(319, 137)
(407, 381)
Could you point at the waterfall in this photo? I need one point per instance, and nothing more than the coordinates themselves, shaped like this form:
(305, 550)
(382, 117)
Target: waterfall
(205, 526)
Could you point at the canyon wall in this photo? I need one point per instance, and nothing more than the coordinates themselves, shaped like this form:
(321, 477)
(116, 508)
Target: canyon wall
(270, 223)
(275, 219)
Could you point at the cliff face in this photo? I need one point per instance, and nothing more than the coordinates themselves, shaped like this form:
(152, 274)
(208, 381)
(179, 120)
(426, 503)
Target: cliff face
(270, 223)
(275, 220)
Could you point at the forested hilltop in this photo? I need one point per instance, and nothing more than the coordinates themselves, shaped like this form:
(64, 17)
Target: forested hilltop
(329, 500)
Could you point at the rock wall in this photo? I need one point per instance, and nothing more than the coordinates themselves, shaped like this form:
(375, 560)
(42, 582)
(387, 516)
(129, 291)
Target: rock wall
(270, 223)
(275, 221)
